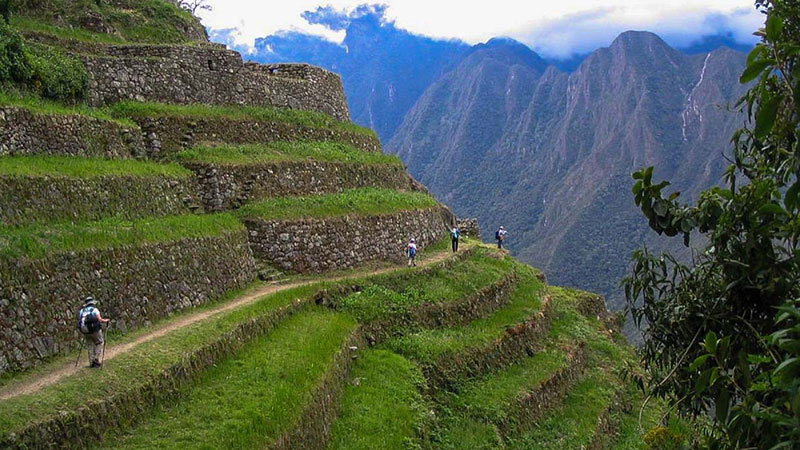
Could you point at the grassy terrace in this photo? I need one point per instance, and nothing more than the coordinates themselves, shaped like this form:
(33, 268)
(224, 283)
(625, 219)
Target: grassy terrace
(77, 167)
(134, 368)
(388, 295)
(248, 400)
(146, 361)
(41, 106)
(384, 409)
(285, 151)
(468, 415)
(311, 119)
(573, 425)
(136, 21)
(427, 346)
(364, 201)
(39, 240)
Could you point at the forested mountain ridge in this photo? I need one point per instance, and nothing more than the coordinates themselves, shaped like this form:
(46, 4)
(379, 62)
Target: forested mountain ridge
(550, 154)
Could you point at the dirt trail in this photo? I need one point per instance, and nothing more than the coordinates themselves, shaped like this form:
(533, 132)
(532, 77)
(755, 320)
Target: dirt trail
(67, 369)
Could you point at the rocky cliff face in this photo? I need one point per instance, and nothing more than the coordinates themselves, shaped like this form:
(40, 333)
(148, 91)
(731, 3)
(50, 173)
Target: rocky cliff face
(550, 154)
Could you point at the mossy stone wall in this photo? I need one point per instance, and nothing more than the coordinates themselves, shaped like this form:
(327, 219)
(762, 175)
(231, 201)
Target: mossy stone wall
(320, 245)
(27, 132)
(39, 299)
(230, 186)
(167, 135)
(210, 75)
(26, 200)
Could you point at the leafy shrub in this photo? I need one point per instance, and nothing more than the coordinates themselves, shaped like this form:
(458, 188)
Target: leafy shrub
(662, 438)
(57, 75)
(14, 63)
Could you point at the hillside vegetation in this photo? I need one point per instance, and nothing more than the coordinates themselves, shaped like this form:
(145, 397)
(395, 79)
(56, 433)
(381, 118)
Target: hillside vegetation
(255, 270)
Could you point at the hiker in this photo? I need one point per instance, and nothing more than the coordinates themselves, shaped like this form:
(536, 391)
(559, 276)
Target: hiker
(500, 235)
(411, 251)
(455, 235)
(90, 325)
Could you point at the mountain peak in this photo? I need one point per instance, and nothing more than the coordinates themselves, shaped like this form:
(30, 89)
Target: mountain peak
(633, 39)
(510, 51)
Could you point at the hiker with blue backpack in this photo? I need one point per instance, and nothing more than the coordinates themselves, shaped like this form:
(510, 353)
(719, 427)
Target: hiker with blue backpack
(411, 251)
(90, 324)
(500, 235)
(455, 235)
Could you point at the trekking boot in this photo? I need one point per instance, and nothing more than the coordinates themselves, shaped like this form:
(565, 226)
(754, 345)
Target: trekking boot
(95, 364)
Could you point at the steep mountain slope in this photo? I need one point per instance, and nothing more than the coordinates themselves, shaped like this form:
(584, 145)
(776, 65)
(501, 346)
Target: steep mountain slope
(550, 154)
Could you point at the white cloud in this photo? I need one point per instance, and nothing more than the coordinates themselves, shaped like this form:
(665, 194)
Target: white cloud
(552, 28)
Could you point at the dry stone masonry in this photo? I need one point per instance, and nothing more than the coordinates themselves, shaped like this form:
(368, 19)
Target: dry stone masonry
(319, 245)
(170, 134)
(230, 186)
(25, 132)
(26, 200)
(211, 75)
(135, 285)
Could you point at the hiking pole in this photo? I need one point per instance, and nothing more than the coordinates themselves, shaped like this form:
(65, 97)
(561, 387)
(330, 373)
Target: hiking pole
(80, 350)
(103, 357)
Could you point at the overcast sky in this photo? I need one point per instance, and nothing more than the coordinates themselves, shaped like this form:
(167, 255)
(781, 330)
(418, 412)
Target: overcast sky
(553, 28)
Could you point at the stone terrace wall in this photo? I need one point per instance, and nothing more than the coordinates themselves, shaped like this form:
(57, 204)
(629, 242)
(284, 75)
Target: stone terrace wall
(28, 200)
(204, 74)
(167, 135)
(25, 132)
(318, 245)
(39, 299)
(227, 186)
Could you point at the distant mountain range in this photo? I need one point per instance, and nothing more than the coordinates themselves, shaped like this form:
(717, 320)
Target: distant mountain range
(545, 148)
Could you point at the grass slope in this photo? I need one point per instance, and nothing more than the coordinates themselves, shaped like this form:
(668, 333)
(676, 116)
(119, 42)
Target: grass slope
(76, 167)
(385, 296)
(149, 21)
(426, 346)
(41, 240)
(311, 119)
(136, 367)
(41, 106)
(363, 201)
(285, 151)
(382, 407)
(248, 400)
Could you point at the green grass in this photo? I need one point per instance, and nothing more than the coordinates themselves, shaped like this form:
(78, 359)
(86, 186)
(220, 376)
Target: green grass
(363, 201)
(573, 425)
(41, 106)
(285, 151)
(389, 295)
(39, 240)
(142, 363)
(427, 346)
(382, 406)
(146, 21)
(75, 167)
(22, 23)
(311, 119)
(248, 400)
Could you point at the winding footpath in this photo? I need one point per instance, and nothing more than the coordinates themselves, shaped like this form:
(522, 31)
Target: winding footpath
(65, 369)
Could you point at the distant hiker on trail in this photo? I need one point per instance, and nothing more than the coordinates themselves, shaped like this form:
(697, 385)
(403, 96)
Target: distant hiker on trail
(500, 235)
(90, 325)
(455, 235)
(411, 251)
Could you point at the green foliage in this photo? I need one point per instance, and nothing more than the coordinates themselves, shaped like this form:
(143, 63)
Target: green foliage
(42, 106)
(41, 69)
(364, 201)
(383, 406)
(248, 400)
(312, 119)
(39, 240)
(713, 343)
(146, 21)
(57, 75)
(286, 151)
(79, 167)
(15, 65)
